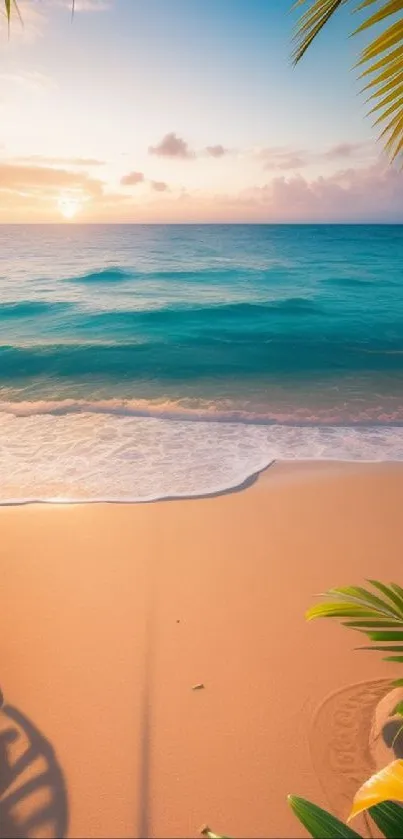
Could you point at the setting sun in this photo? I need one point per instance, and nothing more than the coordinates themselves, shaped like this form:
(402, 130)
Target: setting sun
(68, 207)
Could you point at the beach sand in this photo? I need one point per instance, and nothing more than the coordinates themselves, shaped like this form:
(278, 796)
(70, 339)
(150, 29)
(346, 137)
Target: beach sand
(110, 614)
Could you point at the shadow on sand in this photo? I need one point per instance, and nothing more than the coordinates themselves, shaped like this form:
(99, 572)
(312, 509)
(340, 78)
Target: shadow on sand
(33, 797)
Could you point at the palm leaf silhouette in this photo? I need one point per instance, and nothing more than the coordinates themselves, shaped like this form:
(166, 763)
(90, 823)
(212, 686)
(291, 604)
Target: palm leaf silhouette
(33, 796)
(382, 59)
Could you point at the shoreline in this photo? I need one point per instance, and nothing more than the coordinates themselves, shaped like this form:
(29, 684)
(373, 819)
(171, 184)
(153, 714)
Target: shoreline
(111, 614)
(280, 468)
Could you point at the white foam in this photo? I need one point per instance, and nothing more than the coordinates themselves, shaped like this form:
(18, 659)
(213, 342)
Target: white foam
(107, 457)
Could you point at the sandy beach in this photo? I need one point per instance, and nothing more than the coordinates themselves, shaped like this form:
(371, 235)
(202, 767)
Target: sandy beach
(110, 614)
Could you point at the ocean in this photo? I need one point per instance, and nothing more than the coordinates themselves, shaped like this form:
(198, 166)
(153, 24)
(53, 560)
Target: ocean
(144, 362)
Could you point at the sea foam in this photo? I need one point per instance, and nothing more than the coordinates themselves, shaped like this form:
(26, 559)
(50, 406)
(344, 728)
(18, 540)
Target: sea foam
(89, 456)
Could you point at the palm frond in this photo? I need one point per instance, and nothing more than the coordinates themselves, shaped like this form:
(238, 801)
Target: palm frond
(9, 5)
(318, 822)
(386, 87)
(382, 59)
(376, 612)
(388, 817)
(311, 22)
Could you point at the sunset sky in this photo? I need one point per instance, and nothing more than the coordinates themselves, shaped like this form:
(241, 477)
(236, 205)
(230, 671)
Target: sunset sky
(184, 111)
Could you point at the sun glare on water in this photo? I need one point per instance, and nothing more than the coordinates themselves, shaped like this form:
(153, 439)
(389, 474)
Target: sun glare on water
(68, 207)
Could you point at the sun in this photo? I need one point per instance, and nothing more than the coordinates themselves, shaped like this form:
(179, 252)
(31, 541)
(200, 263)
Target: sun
(68, 206)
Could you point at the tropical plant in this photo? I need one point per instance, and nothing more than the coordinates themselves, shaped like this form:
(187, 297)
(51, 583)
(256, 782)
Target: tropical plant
(382, 59)
(378, 795)
(378, 615)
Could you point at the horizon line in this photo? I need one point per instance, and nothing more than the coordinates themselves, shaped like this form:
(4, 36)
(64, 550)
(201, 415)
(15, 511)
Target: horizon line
(67, 225)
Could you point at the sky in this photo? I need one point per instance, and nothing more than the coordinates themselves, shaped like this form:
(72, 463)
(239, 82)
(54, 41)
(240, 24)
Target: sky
(172, 111)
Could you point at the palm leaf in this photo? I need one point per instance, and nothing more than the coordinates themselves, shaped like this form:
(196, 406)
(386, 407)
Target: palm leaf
(319, 823)
(311, 22)
(387, 815)
(384, 53)
(377, 613)
(389, 818)
(9, 4)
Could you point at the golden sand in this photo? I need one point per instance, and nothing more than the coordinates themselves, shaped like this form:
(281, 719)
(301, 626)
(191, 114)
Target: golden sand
(111, 614)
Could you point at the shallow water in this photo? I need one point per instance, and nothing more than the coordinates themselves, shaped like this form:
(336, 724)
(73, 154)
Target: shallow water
(141, 362)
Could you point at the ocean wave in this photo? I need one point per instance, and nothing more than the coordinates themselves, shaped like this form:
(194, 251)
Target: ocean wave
(103, 275)
(215, 411)
(31, 308)
(104, 457)
(210, 273)
(223, 353)
(186, 314)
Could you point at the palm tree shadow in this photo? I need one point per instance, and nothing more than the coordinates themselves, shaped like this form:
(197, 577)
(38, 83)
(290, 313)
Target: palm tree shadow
(33, 795)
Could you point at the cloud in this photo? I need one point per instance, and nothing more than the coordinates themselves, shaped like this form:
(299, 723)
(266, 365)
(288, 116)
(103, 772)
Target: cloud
(343, 150)
(135, 178)
(61, 161)
(374, 193)
(176, 147)
(284, 159)
(216, 151)
(37, 180)
(172, 146)
(132, 179)
(159, 186)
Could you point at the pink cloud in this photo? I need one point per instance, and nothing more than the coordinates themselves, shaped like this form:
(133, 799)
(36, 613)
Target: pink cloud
(344, 150)
(45, 179)
(370, 194)
(132, 179)
(216, 151)
(283, 158)
(159, 186)
(172, 146)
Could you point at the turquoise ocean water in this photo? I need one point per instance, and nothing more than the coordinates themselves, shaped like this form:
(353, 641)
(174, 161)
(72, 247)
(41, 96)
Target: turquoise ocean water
(141, 362)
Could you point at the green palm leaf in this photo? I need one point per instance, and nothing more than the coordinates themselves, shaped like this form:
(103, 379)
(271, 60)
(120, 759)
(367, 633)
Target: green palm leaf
(384, 54)
(388, 816)
(378, 614)
(319, 823)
